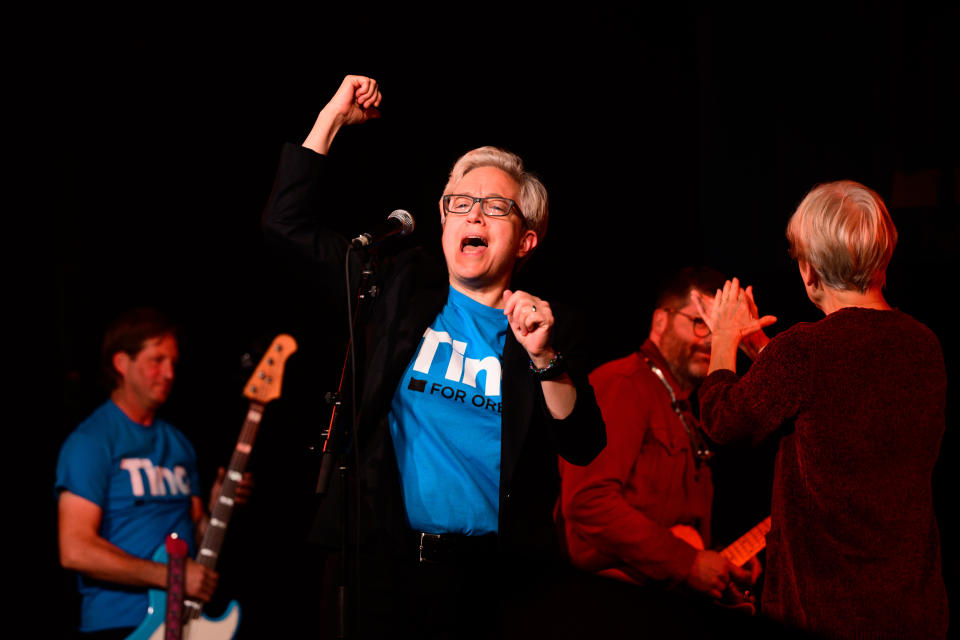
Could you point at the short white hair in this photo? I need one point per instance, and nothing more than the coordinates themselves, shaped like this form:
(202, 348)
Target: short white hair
(844, 231)
(533, 195)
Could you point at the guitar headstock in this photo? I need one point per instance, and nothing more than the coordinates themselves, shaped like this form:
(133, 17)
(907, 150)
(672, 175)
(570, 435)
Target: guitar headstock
(264, 385)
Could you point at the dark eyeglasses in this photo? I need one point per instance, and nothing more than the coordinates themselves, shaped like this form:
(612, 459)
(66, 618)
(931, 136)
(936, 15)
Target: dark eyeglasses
(492, 206)
(700, 328)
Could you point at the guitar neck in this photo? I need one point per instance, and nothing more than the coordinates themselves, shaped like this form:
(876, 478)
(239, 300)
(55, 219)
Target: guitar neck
(223, 507)
(748, 545)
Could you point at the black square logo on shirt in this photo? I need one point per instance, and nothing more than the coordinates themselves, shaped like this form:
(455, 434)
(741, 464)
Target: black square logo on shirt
(417, 385)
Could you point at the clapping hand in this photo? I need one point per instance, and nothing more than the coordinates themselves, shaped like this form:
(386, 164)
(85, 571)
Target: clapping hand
(733, 313)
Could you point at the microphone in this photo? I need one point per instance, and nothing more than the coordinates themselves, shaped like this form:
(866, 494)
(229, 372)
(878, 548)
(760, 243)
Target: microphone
(399, 223)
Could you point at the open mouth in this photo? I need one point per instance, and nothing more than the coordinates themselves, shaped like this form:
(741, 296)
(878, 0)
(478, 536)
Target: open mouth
(472, 244)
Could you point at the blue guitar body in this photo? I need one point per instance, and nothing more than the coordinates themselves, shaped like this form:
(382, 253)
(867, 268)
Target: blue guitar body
(202, 628)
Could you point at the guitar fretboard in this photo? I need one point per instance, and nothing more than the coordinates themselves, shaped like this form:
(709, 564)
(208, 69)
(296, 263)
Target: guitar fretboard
(748, 545)
(223, 508)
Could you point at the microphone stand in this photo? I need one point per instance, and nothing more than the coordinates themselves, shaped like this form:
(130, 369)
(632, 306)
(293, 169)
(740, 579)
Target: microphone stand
(336, 442)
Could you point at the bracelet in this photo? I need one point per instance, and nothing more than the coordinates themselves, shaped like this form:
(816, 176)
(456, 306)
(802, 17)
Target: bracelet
(555, 368)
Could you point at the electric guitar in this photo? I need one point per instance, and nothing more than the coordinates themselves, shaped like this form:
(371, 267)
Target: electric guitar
(749, 544)
(743, 548)
(739, 553)
(262, 387)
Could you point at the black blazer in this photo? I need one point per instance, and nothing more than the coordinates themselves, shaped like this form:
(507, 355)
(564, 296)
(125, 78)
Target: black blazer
(413, 289)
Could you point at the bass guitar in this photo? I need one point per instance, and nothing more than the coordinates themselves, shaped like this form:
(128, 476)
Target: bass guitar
(262, 387)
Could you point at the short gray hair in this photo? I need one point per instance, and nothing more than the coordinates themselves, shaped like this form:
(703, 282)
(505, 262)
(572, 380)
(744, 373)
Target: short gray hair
(844, 231)
(533, 195)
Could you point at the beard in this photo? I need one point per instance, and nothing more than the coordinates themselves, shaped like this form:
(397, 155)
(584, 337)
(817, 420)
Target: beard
(688, 361)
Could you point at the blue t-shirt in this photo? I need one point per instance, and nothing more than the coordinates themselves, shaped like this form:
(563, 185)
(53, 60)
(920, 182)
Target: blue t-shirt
(143, 479)
(445, 421)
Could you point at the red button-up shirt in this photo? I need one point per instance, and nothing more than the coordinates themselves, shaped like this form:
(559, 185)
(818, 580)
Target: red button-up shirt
(617, 511)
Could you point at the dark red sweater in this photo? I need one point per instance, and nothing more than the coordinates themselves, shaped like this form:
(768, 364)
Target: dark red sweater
(858, 400)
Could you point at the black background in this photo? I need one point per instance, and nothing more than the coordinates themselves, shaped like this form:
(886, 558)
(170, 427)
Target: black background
(666, 137)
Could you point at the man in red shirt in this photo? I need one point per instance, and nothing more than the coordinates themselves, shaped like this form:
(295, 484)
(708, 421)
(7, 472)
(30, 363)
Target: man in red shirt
(641, 510)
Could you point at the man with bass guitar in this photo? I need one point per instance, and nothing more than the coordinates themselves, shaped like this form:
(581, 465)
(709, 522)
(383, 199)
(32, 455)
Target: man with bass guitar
(126, 479)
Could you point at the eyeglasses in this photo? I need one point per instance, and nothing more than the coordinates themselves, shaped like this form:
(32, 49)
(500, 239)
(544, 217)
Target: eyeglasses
(462, 205)
(700, 328)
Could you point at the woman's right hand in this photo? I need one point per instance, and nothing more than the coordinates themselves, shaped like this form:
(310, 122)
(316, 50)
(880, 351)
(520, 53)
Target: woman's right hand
(357, 100)
(731, 318)
(732, 310)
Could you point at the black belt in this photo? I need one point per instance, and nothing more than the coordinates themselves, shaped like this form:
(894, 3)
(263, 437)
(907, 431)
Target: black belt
(444, 547)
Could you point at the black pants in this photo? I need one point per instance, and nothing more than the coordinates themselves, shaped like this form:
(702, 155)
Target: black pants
(460, 595)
